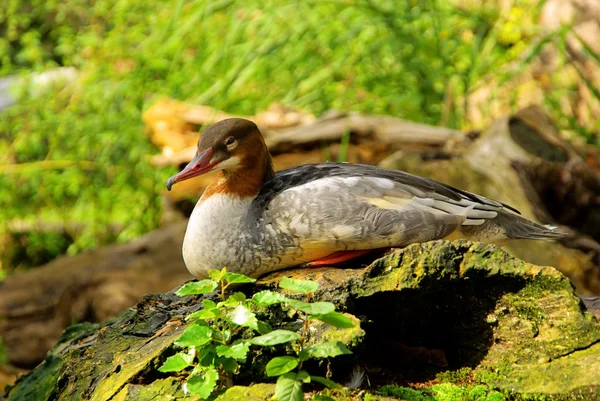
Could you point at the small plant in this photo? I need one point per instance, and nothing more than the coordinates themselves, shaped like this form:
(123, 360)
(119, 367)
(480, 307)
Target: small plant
(214, 347)
(289, 368)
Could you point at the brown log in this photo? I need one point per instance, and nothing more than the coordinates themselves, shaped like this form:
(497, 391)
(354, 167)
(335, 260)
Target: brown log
(35, 307)
(384, 129)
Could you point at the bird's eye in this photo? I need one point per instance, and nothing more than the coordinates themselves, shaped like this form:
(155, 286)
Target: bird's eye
(230, 141)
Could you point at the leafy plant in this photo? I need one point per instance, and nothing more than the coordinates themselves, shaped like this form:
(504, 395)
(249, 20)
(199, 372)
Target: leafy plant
(289, 368)
(213, 344)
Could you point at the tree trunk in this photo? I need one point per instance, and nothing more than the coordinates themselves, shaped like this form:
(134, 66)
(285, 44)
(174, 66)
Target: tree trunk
(512, 325)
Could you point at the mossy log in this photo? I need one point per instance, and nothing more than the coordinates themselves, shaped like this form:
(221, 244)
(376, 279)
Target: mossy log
(521, 161)
(516, 327)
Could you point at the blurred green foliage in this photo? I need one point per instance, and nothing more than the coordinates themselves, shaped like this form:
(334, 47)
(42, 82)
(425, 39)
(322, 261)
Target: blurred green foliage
(82, 154)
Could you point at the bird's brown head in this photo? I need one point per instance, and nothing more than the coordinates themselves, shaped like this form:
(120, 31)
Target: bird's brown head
(234, 145)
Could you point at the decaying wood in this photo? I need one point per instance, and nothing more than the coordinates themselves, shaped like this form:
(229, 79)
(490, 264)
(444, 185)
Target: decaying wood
(460, 304)
(384, 129)
(171, 127)
(521, 160)
(35, 307)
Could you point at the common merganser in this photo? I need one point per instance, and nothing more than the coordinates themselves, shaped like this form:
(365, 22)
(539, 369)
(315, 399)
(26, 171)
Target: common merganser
(253, 220)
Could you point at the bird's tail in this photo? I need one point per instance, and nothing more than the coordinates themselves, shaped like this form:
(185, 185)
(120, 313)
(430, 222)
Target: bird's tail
(507, 225)
(517, 227)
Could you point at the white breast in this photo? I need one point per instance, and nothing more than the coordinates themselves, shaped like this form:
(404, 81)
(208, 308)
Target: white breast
(211, 238)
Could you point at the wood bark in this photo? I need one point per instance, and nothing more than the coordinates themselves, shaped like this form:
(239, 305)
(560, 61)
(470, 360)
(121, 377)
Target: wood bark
(470, 304)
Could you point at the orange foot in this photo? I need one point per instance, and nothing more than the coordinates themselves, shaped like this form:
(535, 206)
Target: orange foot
(337, 258)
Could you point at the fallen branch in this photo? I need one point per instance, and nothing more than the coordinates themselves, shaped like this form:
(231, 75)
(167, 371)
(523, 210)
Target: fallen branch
(385, 129)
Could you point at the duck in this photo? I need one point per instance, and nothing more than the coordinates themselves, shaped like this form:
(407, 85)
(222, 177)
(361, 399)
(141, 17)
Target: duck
(253, 220)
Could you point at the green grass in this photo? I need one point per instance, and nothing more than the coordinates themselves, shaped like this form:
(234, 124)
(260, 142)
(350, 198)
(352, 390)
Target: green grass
(81, 150)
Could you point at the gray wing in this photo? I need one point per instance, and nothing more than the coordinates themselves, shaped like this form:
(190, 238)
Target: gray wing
(297, 176)
(363, 212)
(311, 211)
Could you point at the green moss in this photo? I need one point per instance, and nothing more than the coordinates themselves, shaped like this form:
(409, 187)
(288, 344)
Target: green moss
(540, 335)
(478, 393)
(444, 392)
(369, 397)
(132, 357)
(560, 376)
(256, 392)
(169, 388)
(559, 360)
(541, 322)
(448, 392)
(455, 376)
(40, 383)
(405, 393)
(495, 396)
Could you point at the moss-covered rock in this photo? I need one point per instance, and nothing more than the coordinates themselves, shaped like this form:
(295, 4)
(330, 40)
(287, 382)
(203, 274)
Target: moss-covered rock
(161, 389)
(516, 330)
(256, 392)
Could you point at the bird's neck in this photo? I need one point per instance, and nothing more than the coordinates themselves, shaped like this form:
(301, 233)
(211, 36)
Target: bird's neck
(246, 180)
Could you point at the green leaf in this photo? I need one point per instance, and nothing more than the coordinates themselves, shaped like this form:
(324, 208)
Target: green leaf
(328, 349)
(208, 304)
(264, 327)
(197, 287)
(177, 362)
(236, 278)
(204, 314)
(275, 337)
(235, 299)
(303, 355)
(266, 298)
(221, 337)
(195, 335)
(314, 308)
(336, 319)
(238, 296)
(299, 286)
(281, 365)
(217, 275)
(303, 376)
(288, 388)
(244, 317)
(229, 364)
(207, 355)
(209, 311)
(237, 351)
(325, 382)
(203, 385)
